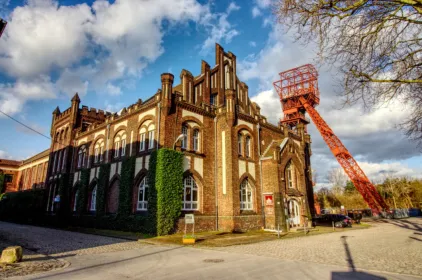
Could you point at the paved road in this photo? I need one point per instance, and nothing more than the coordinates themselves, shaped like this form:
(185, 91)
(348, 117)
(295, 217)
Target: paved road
(387, 247)
(395, 246)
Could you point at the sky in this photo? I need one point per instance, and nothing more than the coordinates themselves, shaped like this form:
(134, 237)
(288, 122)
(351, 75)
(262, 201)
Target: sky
(113, 52)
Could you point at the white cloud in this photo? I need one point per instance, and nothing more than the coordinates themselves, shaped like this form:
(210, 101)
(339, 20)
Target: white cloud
(113, 90)
(252, 44)
(372, 137)
(14, 96)
(263, 4)
(222, 30)
(256, 12)
(115, 41)
(113, 108)
(4, 155)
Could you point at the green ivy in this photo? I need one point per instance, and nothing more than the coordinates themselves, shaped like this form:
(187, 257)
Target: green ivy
(81, 205)
(64, 195)
(169, 189)
(2, 184)
(102, 186)
(152, 194)
(126, 186)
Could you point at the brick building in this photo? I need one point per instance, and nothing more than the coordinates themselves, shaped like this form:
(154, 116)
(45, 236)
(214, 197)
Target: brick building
(24, 175)
(240, 172)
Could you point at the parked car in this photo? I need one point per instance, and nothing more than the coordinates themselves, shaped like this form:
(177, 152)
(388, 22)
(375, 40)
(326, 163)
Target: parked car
(340, 221)
(355, 215)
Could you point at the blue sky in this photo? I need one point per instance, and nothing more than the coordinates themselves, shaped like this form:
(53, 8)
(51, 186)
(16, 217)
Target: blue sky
(113, 53)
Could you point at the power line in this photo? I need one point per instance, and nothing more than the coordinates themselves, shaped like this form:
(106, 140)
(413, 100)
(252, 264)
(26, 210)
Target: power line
(21, 123)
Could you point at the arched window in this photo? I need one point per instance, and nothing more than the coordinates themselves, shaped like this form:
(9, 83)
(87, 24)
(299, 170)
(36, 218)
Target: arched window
(93, 206)
(98, 151)
(64, 158)
(143, 195)
(75, 200)
(142, 139)
(59, 163)
(120, 144)
(151, 137)
(196, 140)
(81, 156)
(248, 146)
(246, 196)
(54, 162)
(239, 143)
(185, 138)
(190, 194)
(289, 174)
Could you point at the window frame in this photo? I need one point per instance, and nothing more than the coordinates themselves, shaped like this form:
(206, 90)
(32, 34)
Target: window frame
(143, 185)
(116, 149)
(151, 139)
(142, 142)
(193, 186)
(248, 146)
(196, 138)
(184, 144)
(123, 147)
(245, 188)
(93, 199)
(240, 144)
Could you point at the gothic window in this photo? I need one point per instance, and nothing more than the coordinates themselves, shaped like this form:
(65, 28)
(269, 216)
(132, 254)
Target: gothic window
(246, 196)
(123, 147)
(93, 206)
(248, 146)
(120, 144)
(75, 201)
(213, 99)
(239, 143)
(185, 137)
(151, 139)
(196, 140)
(289, 174)
(190, 194)
(142, 142)
(81, 156)
(143, 195)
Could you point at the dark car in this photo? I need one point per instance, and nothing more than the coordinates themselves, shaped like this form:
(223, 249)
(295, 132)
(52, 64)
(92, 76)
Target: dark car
(340, 221)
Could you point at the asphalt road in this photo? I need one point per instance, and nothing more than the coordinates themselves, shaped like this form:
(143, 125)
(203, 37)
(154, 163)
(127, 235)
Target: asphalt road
(171, 262)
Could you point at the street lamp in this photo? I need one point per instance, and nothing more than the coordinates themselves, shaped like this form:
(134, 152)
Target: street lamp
(177, 139)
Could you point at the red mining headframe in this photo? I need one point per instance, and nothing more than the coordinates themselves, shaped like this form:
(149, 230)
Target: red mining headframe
(298, 92)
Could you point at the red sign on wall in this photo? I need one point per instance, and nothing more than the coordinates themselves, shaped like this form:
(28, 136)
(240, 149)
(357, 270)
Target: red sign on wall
(269, 201)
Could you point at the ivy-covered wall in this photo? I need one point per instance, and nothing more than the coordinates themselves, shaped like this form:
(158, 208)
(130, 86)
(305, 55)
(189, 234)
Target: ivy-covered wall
(64, 192)
(81, 203)
(102, 186)
(126, 186)
(166, 166)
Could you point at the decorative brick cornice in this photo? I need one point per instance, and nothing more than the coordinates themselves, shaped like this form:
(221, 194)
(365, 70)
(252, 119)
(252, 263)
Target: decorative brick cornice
(194, 108)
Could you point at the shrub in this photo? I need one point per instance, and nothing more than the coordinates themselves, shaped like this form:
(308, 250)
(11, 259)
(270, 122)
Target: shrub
(23, 206)
(126, 186)
(102, 186)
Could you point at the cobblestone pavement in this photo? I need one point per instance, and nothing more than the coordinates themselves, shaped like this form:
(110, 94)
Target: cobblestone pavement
(60, 243)
(394, 246)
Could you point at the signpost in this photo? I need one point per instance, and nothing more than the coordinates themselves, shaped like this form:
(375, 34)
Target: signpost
(189, 220)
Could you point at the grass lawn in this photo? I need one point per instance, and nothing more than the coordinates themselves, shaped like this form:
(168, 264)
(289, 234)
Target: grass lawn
(221, 239)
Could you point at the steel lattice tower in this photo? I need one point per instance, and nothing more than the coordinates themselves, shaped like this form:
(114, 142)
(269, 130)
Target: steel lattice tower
(298, 92)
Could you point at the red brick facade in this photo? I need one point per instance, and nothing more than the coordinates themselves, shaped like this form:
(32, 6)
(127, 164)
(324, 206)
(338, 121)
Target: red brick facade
(233, 156)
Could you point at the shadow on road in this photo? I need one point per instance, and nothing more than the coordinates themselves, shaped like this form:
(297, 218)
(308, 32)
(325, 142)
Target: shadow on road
(414, 225)
(352, 274)
(99, 266)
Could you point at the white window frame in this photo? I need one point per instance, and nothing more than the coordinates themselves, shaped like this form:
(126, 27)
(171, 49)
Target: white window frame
(116, 149)
(239, 143)
(123, 147)
(185, 138)
(246, 202)
(289, 173)
(189, 184)
(142, 142)
(96, 153)
(248, 146)
(101, 153)
(196, 140)
(93, 206)
(80, 158)
(142, 205)
(75, 203)
(151, 139)
(64, 159)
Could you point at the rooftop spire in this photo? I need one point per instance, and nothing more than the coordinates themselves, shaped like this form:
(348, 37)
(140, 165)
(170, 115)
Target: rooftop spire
(76, 98)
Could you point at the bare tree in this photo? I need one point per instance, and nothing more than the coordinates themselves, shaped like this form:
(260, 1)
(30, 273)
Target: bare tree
(376, 44)
(338, 179)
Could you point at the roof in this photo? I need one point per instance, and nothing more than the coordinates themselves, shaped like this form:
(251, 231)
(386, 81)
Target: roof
(10, 162)
(45, 153)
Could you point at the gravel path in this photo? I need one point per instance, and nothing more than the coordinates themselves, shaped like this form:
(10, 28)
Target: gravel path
(60, 243)
(394, 246)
